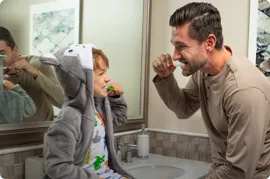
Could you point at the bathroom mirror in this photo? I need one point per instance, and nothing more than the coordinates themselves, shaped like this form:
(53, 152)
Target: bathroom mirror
(119, 27)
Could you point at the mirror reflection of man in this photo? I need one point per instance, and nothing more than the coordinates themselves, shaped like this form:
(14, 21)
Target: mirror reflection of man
(37, 79)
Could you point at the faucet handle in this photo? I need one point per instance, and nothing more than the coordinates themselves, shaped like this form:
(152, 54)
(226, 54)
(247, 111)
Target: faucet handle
(129, 157)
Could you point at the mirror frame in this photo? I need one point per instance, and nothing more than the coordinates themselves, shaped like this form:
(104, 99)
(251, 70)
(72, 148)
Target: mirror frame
(14, 135)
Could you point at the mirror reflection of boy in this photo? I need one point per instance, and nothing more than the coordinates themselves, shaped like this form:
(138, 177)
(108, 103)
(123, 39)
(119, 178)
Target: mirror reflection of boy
(15, 102)
(37, 79)
(80, 144)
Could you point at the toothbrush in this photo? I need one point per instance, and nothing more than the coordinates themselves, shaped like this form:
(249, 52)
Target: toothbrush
(177, 65)
(3, 57)
(109, 88)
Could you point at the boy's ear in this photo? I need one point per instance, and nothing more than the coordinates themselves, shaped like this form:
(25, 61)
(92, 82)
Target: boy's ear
(49, 59)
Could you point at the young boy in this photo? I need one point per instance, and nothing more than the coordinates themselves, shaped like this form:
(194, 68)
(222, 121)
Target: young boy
(15, 102)
(80, 143)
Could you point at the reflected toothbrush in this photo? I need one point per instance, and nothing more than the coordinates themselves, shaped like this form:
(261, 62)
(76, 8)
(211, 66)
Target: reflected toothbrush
(177, 65)
(3, 57)
(109, 88)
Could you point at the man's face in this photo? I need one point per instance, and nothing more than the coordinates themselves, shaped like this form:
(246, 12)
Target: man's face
(8, 52)
(187, 50)
(101, 79)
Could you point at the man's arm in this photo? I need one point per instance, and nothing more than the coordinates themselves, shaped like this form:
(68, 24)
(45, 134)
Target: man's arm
(248, 120)
(46, 79)
(183, 102)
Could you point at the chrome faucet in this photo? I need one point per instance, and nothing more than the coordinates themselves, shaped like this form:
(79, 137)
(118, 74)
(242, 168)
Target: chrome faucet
(120, 145)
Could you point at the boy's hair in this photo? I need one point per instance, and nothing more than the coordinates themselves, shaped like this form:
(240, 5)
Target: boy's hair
(204, 20)
(6, 36)
(97, 54)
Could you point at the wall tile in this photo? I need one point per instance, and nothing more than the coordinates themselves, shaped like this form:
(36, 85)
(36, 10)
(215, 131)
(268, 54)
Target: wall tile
(8, 159)
(8, 171)
(181, 146)
(18, 169)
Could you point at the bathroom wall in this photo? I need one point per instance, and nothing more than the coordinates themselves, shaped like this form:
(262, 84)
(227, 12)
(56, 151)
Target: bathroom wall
(235, 21)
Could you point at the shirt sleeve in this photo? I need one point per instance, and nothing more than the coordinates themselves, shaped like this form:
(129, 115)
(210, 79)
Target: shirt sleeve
(27, 106)
(119, 110)
(183, 102)
(248, 120)
(48, 82)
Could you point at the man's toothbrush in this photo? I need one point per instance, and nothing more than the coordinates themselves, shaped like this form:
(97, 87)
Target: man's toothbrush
(109, 88)
(177, 65)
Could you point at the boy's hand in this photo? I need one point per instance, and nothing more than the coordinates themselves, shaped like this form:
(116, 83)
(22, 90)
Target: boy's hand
(8, 85)
(118, 89)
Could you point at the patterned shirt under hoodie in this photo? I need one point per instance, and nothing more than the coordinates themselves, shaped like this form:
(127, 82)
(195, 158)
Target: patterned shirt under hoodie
(97, 156)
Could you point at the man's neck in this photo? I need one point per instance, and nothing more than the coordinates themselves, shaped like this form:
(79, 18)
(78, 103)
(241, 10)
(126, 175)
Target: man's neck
(217, 60)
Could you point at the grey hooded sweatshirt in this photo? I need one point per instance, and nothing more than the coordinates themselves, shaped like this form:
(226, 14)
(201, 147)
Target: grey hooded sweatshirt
(15, 103)
(69, 137)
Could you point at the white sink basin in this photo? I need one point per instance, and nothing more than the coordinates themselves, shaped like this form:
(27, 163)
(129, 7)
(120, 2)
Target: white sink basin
(161, 167)
(157, 171)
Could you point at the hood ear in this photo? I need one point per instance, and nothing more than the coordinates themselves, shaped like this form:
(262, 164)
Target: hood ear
(49, 59)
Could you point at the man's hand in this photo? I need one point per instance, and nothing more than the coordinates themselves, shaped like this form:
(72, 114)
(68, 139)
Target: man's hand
(23, 65)
(118, 89)
(8, 85)
(161, 66)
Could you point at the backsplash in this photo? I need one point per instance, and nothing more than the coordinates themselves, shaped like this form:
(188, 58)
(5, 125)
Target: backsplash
(162, 143)
(180, 146)
(174, 145)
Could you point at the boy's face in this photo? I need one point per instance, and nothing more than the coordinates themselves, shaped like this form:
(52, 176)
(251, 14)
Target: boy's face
(101, 78)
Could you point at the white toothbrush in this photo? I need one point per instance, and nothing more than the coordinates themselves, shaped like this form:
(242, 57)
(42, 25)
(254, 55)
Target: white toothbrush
(179, 64)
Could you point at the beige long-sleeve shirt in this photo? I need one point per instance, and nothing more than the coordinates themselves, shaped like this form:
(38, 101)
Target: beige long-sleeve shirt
(45, 90)
(236, 111)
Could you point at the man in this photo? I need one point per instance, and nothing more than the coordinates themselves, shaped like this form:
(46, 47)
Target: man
(232, 94)
(37, 79)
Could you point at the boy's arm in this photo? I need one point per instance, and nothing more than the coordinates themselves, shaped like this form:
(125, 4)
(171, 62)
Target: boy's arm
(26, 104)
(119, 110)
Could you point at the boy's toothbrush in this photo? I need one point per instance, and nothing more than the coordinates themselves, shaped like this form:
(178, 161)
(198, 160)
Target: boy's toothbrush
(109, 88)
(177, 65)
(3, 57)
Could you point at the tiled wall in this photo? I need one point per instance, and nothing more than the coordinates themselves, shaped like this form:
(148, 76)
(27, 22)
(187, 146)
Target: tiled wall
(180, 146)
(12, 165)
(174, 145)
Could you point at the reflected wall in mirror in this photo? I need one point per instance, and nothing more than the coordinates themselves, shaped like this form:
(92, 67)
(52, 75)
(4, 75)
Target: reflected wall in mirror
(119, 27)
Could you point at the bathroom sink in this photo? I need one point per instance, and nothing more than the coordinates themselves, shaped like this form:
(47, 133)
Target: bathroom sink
(156, 171)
